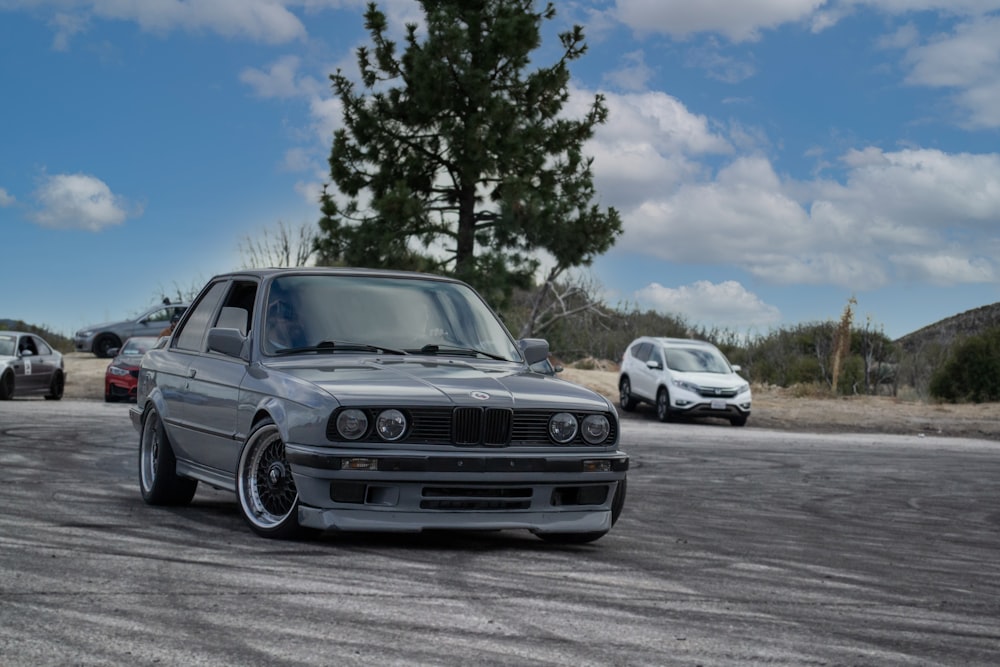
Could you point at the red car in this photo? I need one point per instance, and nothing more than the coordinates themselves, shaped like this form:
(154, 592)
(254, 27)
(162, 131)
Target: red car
(122, 376)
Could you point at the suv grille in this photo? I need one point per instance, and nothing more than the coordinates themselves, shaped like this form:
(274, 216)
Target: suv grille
(715, 392)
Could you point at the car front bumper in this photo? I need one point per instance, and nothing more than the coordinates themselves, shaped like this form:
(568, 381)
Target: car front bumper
(413, 491)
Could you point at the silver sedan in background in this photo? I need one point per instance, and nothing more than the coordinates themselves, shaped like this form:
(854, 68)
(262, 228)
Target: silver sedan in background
(29, 365)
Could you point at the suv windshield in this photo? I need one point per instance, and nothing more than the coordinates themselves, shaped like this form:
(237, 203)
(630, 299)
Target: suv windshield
(396, 314)
(696, 360)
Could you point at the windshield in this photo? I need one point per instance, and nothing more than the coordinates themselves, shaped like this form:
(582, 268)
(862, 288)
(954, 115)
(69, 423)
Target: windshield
(138, 345)
(697, 360)
(402, 315)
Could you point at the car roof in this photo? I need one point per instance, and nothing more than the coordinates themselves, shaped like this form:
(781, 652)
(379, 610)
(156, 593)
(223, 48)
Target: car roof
(676, 342)
(270, 272)
(20, 333)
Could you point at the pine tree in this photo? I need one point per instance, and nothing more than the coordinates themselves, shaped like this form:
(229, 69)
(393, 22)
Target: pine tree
(456, 160)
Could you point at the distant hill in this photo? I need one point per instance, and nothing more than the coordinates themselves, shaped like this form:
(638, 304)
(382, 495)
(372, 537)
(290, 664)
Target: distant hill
(957, 327)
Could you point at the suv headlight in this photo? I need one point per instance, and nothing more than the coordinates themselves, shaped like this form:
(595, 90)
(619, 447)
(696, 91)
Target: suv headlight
(687, 386)
(743, 388)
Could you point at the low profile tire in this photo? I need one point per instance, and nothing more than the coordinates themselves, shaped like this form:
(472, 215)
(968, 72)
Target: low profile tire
(267, 495)
(625, 399)
(738, 421)
(104, 343)
(158, 478)
(6, 386)
(663, 406)
(56, 387)
(617, 504)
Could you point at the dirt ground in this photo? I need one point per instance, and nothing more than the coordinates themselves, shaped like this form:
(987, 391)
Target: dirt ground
(773, 408)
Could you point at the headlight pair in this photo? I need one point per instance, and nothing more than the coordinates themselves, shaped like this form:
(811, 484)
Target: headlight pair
(390, 425)
(564, 426)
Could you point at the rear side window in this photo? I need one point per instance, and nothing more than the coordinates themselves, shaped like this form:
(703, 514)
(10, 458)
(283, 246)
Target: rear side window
(192, 335)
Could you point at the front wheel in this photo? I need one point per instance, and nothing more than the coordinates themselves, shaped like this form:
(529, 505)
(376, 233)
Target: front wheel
(158, 479)
(663, 406)
(268, 498)
(56, 387)
(104, 344)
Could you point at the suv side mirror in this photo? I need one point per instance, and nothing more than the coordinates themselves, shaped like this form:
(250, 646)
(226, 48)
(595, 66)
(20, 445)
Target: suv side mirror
(655, 365)
(737, 368)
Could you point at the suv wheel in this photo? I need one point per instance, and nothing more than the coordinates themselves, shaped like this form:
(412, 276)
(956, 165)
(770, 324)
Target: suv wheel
(625, 395)
(663, 405)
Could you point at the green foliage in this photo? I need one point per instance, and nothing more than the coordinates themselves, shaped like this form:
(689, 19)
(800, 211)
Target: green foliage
(972, 371)
(456, 160)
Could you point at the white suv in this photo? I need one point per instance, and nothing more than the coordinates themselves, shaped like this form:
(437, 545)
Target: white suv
(682, 377)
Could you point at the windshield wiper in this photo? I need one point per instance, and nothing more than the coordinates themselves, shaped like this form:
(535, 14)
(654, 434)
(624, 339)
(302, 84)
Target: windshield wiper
(454, 349)
(340, 346)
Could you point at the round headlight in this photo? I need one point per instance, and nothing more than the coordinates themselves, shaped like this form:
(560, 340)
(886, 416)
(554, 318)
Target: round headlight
(596, 429)
(390, 425)
(562, 427)
(352, 424)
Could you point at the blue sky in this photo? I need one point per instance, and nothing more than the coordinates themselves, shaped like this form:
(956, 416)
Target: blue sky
(770, 158)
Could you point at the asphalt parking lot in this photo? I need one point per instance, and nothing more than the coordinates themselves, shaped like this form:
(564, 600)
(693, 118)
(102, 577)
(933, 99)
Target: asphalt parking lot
(736, 546)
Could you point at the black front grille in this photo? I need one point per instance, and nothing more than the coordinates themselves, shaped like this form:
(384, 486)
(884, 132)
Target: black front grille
(473, 427)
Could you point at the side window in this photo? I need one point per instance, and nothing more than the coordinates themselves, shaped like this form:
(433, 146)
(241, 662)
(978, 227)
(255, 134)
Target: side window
(192, 335)
(657, 356)
(642, 351)
(237, 309)
(42, 347)
(162, 315)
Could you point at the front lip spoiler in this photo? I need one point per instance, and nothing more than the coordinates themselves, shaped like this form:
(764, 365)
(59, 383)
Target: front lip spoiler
(458, 464)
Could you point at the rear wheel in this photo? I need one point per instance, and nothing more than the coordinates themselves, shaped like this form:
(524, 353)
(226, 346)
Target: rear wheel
(268, 498)
(625, 399)
(6, 386)
(56, 387)
(158, 479)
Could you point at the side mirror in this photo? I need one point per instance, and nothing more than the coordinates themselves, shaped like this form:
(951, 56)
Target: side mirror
(27, 353)
(533, 349)
(653, 364)
(113, 351)
(737, 368)
(229, 342)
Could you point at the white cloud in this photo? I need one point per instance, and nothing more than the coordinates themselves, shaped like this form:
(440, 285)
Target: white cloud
(633, 75)
(726, 305)
(967, 60)
(281, 80)
(79, 201)
(739, 20)
(6, 199)
(268, 21)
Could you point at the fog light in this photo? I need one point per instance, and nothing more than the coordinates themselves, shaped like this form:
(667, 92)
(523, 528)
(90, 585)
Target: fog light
(596, 465)
(359, 464)
(681, 402)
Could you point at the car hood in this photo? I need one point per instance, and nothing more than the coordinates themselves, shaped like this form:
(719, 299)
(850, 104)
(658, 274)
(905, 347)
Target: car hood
(431, 382)
(128, 360)
(711, 379)
(102, 325)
